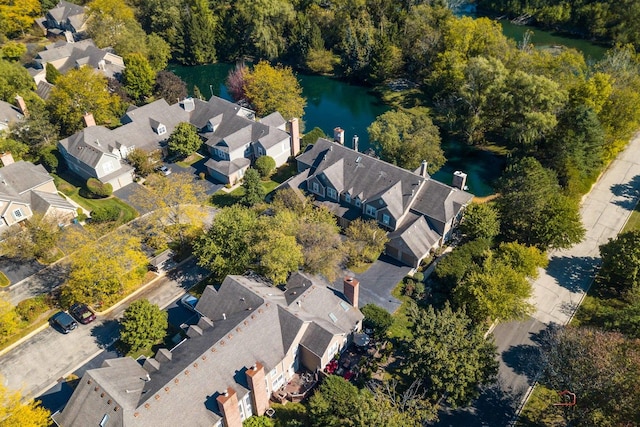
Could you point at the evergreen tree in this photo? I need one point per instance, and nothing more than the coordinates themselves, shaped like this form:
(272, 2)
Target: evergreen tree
(199, 34)
(253, 190)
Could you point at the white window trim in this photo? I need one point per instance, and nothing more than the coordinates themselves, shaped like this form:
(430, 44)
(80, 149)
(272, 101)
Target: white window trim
(162, 129)
(17, 213)
(331, 193)
(315, 187)
(370, 210)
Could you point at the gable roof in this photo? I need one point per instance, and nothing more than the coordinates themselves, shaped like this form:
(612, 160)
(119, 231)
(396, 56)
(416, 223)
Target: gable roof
(80, 53)
(250, 321)
(65, 10)
(90, 144)
(9, 114)
(23, 176)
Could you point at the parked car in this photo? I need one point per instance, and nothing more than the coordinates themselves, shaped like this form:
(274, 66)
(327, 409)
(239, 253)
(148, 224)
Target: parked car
(63, 322)
(82, 313)
(189, 302)
(164, 170)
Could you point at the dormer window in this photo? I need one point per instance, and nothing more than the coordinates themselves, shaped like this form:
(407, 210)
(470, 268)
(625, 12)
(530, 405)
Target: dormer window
(315, 188)
(370, 210)
(162, 129)
(332, 193)
(347, 197)
(17, 214)
(385, 219)
(358, 201)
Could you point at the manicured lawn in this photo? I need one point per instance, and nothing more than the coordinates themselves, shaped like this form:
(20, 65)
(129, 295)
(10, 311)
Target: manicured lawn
(224, 199)
(634, 220)
(400, 329)
(193, 158)
(72, 190)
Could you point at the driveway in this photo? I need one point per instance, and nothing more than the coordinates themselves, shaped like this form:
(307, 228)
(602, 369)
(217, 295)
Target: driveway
(377, 283)
(17, 270)
(210, 187)
(125, 194)
(557, 293)
(40, 362)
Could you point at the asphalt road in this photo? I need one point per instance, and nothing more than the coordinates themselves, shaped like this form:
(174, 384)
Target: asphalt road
(557, 293)
(40, 362)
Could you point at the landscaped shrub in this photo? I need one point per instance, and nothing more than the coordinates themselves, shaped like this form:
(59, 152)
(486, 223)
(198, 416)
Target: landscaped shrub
(81, 215)
(266, 166)
(105, 214)
(418, 276)
(376, 318)
(4, 280)
(99, 189)
(201, 175)
(30, 309)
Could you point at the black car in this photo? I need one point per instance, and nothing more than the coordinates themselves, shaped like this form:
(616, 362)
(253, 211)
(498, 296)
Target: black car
(82, 313)
(63, 322)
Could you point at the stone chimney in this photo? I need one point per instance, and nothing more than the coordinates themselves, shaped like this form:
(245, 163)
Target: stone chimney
(423, 169)
(355, 142)
(228, 405)
(459, 180)
(89, 120)
(294, 131)
(259, 396)
(6, 158)
(338, 135)
(22, 106)
(351, 290)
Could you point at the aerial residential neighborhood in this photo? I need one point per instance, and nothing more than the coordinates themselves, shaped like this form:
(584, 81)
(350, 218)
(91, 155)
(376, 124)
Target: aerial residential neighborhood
(336, 213)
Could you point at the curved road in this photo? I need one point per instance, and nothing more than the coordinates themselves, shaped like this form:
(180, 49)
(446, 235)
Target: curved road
(557, 293)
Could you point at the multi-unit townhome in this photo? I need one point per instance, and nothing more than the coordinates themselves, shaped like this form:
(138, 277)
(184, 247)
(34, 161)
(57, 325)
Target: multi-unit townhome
(26, 188)
(418, 212)
(232, 135)
(250, 341)
(64, 17)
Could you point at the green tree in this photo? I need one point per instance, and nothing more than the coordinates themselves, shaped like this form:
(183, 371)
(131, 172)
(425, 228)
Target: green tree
(449, 355)
(13, 51)
(16, 412)
(80, 91)
(621, 262)
(175, 206)
(184, 139)
(365, 241)
(100, 271)
(265, 165)
(271, 89)
(377, 318)
(199, 36)
(321, 246)
(109, 22)
(264, 24)
(311, 137)
(37, 240)
(322, 61)
(17, 17)
(143, 162)
(158, 52)
(143, 324)
(226, 247)
(253, 191)
(455, 265)
(407, 138)
(480, 221)
(533, 210)
(17, 149)
(138, 77)
(386, 60)
(52, 73)
(256, 421)
(14, 80)
(277, 255)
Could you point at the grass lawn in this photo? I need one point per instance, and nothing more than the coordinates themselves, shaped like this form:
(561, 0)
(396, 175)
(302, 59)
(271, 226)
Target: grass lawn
(72, 190)
(401, 323)
(634, 220)
(224, 199)
(193, 158)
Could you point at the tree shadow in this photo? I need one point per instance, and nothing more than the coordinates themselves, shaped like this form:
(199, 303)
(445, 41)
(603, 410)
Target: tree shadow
(106, 333)
(573, 273)
(496, 406)
(527, 359)
(629, 192)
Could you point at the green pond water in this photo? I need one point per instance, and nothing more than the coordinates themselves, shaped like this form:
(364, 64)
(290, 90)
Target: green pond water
(332, 103)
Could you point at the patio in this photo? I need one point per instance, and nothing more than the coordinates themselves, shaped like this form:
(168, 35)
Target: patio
(297, 389)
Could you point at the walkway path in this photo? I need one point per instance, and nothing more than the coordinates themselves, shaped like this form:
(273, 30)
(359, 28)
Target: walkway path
(557, 292)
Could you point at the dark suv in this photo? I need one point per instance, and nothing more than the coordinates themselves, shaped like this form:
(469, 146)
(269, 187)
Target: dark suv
(63, 322)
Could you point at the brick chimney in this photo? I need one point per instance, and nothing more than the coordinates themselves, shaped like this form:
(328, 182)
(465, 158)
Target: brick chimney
(338, 135)
(22, 106)
(228, 405)
(89, 120)
(6, 158)
(259, 395)
(294, 131)
(351, 290)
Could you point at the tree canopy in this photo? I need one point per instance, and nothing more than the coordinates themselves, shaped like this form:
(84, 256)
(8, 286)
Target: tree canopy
(271, 89)
(407, 138)
(138, 77)
(449, 354)
(253, 191)
(142, 325)
(184, 139)
(621, 262)
(16, 413)
(78, 92)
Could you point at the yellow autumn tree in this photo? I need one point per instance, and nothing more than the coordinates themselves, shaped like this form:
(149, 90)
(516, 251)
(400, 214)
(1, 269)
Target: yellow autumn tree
(17, 16)
(271, 89)
(14, 413)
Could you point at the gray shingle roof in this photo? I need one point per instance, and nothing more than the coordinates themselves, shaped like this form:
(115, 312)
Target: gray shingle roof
(65, 10)
(274, 119)
(84, 52)
(42, 201)
(183, 391)
(23, 176)
(415, 236)
(90, 144)
(9, 113)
